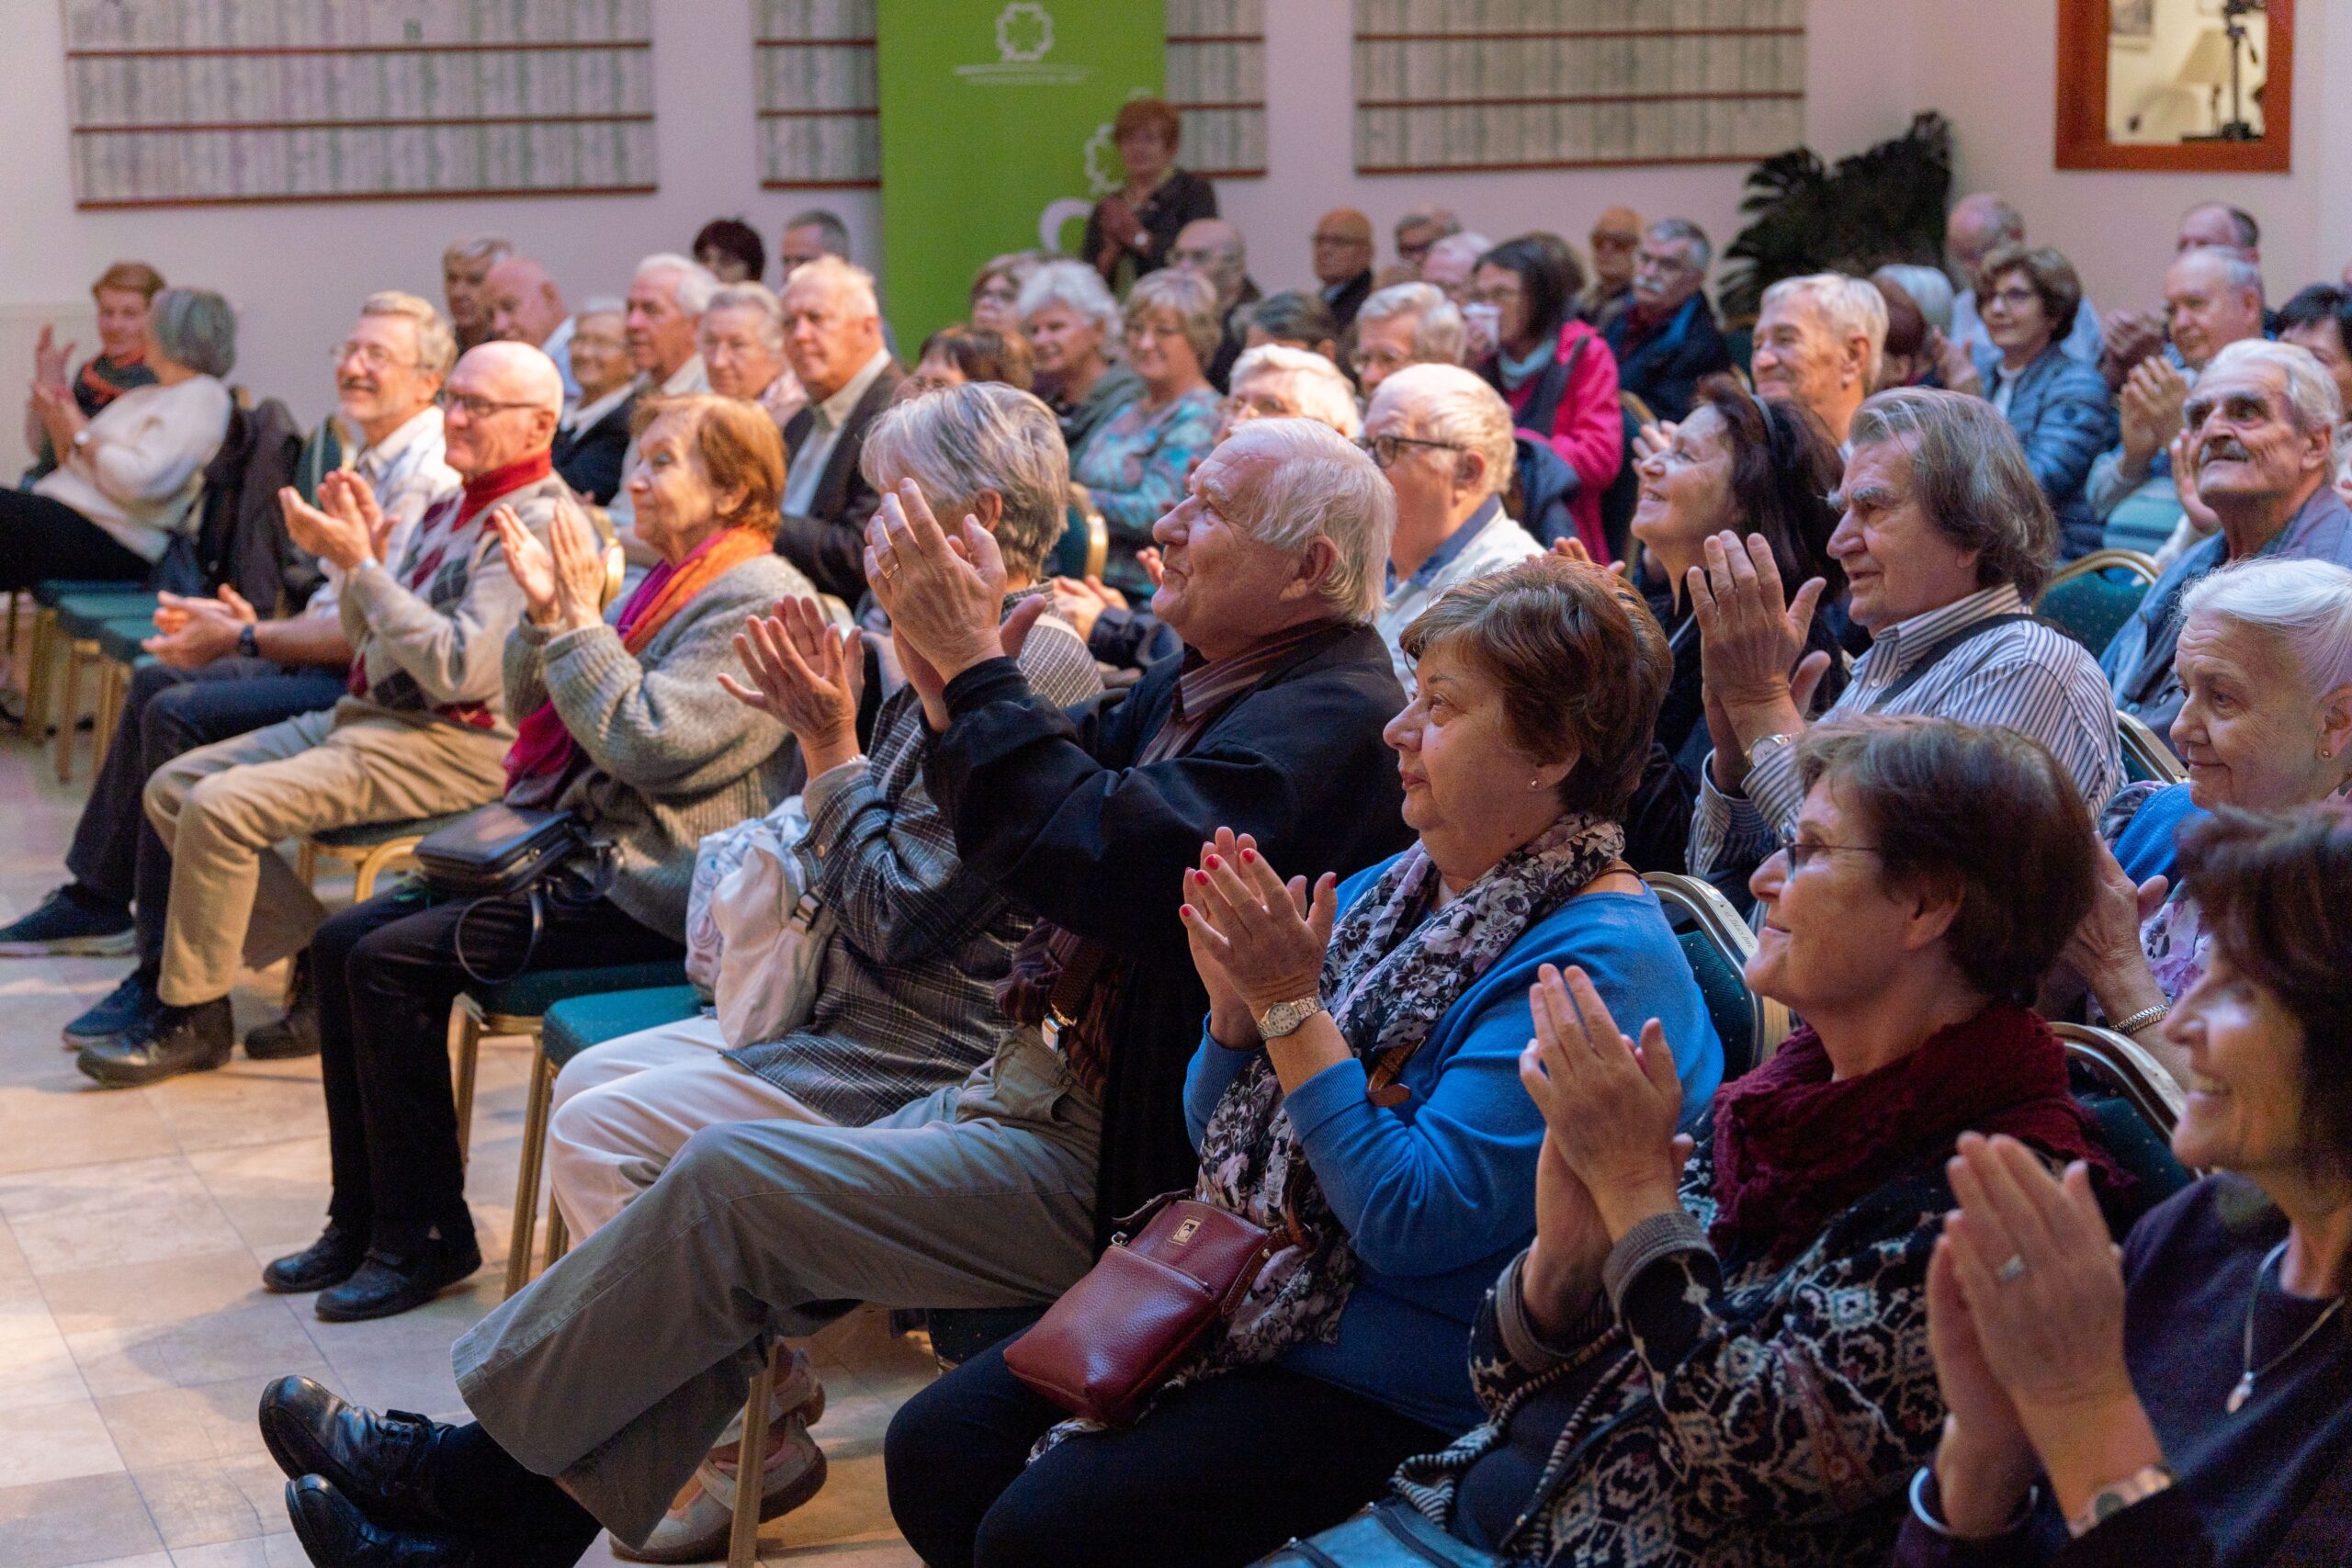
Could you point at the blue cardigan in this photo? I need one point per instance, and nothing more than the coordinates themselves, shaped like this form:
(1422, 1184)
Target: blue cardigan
(2065, 419)
(1439, 1194)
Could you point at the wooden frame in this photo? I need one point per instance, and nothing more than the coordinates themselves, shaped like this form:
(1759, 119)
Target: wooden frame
(2082, 103)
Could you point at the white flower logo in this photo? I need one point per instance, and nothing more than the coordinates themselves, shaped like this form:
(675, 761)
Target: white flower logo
(1024, 33)
(1102, 168)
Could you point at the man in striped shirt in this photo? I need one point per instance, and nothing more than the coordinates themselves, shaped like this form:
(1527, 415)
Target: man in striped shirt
(1946, 539)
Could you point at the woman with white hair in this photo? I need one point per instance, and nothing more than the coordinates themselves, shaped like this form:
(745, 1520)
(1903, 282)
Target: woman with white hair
(1134, 464)
(1073, 328)
(1277, 382)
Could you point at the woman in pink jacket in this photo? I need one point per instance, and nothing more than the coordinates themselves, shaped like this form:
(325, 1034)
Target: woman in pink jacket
(1555, 371)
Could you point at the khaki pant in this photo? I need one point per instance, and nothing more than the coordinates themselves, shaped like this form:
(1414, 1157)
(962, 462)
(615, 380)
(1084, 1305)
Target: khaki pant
(223, 810)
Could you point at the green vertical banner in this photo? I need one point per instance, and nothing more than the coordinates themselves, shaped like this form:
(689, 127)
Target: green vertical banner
(995, 134)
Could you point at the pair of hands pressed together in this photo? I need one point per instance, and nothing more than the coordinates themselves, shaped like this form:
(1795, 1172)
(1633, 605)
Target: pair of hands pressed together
(1081, 600)
(808, 675)
(191, 631)
(347, 528)
(944, 595)
(563, 579)
(1256, 938)
(2150, 405)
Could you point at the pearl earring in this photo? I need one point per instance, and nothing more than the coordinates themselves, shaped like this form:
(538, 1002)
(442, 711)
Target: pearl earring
(1535, 784)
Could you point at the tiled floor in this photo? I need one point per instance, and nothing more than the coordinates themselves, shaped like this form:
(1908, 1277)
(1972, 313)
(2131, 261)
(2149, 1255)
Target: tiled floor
(134, 1337)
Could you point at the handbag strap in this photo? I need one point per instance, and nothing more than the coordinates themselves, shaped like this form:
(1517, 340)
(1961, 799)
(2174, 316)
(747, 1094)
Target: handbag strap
(1942, 647)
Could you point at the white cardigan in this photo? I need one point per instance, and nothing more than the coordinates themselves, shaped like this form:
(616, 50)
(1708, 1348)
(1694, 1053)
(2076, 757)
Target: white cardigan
(138, 476)
(1500, 544)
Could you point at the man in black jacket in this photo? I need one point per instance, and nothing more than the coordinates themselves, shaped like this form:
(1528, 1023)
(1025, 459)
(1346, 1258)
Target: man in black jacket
(832, 335)
(1667, 338)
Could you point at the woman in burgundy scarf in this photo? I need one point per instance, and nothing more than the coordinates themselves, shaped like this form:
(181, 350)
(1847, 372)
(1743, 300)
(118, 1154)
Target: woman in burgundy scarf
(1718, 1354)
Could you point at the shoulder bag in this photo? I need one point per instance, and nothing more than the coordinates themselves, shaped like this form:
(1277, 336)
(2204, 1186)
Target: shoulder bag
(1391, 1533)
(500, 849)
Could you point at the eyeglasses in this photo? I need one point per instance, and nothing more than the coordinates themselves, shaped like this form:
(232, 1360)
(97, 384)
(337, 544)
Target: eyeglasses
(475, 408)
(1341, 239)
(1383, 448)
(2014, 299)
(1800, 852)
(1651, 261)
(371, 354)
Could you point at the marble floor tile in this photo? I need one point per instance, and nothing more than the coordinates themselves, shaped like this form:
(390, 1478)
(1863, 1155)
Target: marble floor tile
(275, 1193)
(251, 1340)
(63, 1119)
(123, 1295)
(88, 1519)
(160, 1427)
(128, 1212)
(55, 1442)
(38, 1369)
(205, 1502)
(281, 1550)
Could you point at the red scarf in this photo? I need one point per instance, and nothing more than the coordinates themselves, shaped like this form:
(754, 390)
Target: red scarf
(1793, 1150)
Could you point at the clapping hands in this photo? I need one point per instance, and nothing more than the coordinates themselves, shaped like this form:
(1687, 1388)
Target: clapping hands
(808, 675)
(347, 528)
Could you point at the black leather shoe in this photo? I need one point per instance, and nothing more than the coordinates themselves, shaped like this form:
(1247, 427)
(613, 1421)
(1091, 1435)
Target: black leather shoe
(171, 1042)
(324, 1264)
(296, 1035)
(388, 1284)
(377, 1462)
(337, 1534)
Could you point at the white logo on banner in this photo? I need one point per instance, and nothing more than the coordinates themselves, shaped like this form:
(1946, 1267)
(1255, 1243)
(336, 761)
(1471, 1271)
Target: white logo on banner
(1025, 36)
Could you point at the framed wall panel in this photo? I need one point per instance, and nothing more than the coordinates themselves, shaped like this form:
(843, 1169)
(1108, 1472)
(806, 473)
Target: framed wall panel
(818, 125)
(1216, 79)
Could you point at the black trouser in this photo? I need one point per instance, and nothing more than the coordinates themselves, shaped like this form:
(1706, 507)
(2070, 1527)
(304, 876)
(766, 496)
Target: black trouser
(40, 539)
(387, 972)
(1221, 1472)
(115, 852)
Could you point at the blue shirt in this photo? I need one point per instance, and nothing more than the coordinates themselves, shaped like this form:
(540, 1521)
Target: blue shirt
(1438, 1194)
(1455, 542)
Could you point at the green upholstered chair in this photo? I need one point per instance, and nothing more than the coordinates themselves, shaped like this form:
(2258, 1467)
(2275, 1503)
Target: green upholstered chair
(2146, 758)
(1717, 942)
(370, 849)
(2091, 599)
(2136, 1101)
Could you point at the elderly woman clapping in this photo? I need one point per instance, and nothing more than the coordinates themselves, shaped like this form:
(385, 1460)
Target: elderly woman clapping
(2184, 1401)
(1358, 1083)
(2264, 663)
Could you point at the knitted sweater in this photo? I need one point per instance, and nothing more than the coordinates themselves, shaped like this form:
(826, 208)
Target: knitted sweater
(138, 475)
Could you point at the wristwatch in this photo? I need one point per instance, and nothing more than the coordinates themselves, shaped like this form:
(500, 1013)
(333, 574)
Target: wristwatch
(1283, 1018)
(2117, 1495)
(246, 642)
(1763, 740)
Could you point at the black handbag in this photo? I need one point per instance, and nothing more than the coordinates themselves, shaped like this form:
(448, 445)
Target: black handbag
(501, 849)
(1391, 1533)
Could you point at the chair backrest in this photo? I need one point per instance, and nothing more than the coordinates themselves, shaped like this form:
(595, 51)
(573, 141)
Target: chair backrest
(2091, 599)
(2136, 1101)
(1085, 544)
(1717, 942)
(2146, 758)
(1638, 412)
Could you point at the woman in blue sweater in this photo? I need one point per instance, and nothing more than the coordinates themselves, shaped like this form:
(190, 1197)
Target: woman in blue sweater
(1358, 1087)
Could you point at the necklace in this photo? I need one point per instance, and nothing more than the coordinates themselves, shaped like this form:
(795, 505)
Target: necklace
(2244, 1389)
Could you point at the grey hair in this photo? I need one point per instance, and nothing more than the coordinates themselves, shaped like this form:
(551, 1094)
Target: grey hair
(1192, 300)
(1441, 218)
(2307, 604)
(194, 327)
(2313, 401)
(955, 442)
(1970, 477)
(1318, 484)
(1438, 335)
(695, 284)
(1309, 380)
(1928, 288)
(436, 344)
(1703, 249)
(602, 305)
(1465, 247)
(826, 222)
(2236, 271)
(1850, 306)
(753, 297)
(837, 275)
(1456, 406)
(477, 247)
(1076, 287)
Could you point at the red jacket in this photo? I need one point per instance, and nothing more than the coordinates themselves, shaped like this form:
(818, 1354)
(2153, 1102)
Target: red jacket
(1584, 428)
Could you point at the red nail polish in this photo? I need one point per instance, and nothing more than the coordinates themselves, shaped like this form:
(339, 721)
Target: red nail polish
(1211, 865)
(1201, 878)
(1248, 857)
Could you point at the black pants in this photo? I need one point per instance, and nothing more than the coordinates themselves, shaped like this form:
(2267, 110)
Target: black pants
(1221, 1472)
(115, 852)
(40, 539)
(386, 971)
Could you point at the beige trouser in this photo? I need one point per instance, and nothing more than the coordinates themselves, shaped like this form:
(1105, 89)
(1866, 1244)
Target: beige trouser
(623, 1110)
(222, 810)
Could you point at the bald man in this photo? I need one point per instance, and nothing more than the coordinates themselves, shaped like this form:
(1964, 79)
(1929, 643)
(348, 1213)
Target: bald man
(1977, 225)
(1211, 249)
(423, 730)
(1616, 235)
(524, 305)
(1343, 262)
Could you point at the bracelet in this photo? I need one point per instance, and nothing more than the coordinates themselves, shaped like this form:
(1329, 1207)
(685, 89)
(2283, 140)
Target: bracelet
(1927, 1515)
(2139, 1021)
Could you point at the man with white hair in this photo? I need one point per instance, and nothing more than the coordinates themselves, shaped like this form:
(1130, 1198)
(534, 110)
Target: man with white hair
(741, 343)
(423, 729)
(1979, 225)
(464, 264)
(1277, 382)
(1818, 341)
(1406, 323)
(1073, 324)
(1443, 438)
(524, 305)
(667, 297)
(833, 336)
(2259, 446)
(1665, 337)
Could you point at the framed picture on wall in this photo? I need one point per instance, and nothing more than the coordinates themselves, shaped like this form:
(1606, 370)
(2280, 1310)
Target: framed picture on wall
(2204, 87)
(2132, 24)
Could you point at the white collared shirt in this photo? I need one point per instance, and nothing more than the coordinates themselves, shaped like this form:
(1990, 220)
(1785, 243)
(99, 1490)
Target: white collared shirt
(409, 471)
(808, 463)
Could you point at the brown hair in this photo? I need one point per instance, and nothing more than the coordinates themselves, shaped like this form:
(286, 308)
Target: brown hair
(1581, 663)
(2051, 273)
(132, 276)
(981, 353)
(1986, 810)
(740, 445)
(1149, 114)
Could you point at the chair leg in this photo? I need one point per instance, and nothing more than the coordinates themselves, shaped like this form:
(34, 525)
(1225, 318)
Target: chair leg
(69, 708)
(37, 673)
(113, 680)
(743, 1539)
(527, 1173)
(465, 1029)
(559, 1233)
(306, 864)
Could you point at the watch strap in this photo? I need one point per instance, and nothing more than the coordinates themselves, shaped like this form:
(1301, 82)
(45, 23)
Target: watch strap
(1285, 1018)
(248, 643)
(2117, 1495)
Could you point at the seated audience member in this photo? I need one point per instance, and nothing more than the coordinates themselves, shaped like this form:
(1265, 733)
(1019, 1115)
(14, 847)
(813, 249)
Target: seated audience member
(1343, 263)
(1211, 248)
(1979, 225)
(2179, 1399)
(807, 236)
(128, 477)
(741, 340)
(1719, 1344)
(1273, 382)
(1420, 228)
(623, 724)
(996, 291)
(666, 301)
(1134, 464)
(419, 732)
(1417, 971)
(1134, 230)
(1616, 240)
(1929, 288)
(2265, 659)
(2213, 298)
(2133, 336)
(465, 265)
(593, 435)
(1745, 466)
(959, 355)
(832, 335)
(1908, 357)
(524, 305)
(1407, 323)
(619, 1365)
(221, 669)
(2260, 448)
(1293, 319)
(1819, 340)
(2320, 319)
(124, 293)
(1073, 328)
(1945, 540)
(1666, 338)
(2058, 405)
(732, 252)
(1555, 372)
(1452, 265)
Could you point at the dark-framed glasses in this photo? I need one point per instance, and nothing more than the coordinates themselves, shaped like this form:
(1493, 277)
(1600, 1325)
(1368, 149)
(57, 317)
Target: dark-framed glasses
(1385, 449)
(1800, 851)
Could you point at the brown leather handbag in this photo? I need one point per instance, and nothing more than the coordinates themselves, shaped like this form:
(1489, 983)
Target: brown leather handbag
(1104, 1350)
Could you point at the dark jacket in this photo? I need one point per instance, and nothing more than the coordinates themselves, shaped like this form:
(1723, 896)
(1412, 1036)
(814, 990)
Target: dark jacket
(1054, 810)
(1350, 298)
(589, 459)
(1663, 369)
(828, 544)
(1219, 369)
(1181, 198)
(241, 537)
(2065, 419)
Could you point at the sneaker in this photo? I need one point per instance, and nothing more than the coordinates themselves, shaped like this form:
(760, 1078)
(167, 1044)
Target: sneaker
(700, 1519)
(296, 1035)
(126, 1006)
(70, 923)
(171, 1042)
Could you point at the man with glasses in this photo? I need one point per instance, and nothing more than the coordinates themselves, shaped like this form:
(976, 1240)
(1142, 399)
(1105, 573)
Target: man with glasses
(421, 731)
(1419, 230)
(1343, 262)
(223, 670)
(1616, 235)
(1667, 338)
(1211, 248)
